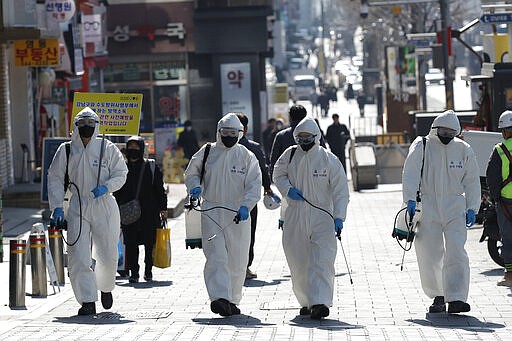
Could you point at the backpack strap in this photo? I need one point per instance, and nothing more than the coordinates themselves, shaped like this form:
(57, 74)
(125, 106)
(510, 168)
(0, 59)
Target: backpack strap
(66, 176)
(509, 157)
(205, 156)
(292, 153)
(152, 165)
(424, 140)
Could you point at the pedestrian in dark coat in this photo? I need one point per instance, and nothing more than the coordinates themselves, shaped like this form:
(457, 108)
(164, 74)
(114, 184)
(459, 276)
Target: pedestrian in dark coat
(188, 140)
(254, 148)
(337, 137)
(153, 202)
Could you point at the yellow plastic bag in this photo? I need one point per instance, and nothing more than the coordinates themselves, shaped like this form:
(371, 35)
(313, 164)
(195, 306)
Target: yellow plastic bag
(162, 248)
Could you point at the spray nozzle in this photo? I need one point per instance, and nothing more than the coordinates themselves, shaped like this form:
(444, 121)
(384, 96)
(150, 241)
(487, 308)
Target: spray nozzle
(236, 219)
(192, 203)
(59, 225)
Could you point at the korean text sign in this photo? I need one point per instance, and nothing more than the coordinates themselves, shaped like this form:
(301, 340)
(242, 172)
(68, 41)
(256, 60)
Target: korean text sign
(119, 113)
(42, 52)
(236, 89)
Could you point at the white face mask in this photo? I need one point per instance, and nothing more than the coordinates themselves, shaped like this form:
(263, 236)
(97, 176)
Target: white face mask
(188, 128)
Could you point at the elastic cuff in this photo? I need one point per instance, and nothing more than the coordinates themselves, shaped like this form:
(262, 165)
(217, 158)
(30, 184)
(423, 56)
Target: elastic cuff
(508, 267)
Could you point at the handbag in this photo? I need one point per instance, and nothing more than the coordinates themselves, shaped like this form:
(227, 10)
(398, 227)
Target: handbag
(130, 211)
(162, 248)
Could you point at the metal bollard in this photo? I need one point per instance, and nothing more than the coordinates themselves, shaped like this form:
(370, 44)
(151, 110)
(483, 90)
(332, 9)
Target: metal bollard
(18, 251)
(57, 250)
(38, 265)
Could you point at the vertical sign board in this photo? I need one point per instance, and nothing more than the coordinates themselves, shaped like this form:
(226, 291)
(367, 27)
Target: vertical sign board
(235, 82)
(50, 146)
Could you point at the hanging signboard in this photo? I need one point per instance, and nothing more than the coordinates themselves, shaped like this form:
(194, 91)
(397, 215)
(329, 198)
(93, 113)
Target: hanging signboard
(119, 113)
(60, 10)
(39, 52)
(235, 82)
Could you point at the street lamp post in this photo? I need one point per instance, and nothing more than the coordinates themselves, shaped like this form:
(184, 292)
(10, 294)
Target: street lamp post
(448, 84)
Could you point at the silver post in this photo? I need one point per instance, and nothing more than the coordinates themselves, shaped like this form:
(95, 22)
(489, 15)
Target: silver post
(18, 251)
(38, 265)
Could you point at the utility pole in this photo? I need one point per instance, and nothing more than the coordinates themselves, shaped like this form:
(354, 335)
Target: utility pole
(445, 23)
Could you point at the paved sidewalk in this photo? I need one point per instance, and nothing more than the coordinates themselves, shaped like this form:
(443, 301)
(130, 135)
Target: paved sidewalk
(384, 303)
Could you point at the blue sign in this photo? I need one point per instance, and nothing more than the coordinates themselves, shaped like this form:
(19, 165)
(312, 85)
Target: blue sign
(496, 18)
(50, 146)
(419, 42)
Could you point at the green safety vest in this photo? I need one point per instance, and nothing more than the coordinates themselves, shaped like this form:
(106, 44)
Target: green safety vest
(503, 150)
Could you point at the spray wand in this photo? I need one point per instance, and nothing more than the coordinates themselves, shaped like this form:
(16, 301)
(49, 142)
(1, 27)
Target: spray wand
(338, 235)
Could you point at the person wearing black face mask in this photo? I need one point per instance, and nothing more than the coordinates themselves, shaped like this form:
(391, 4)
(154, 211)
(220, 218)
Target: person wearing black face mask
(232, 179)
(153, 202)
(446, 168)
(314, 174)
(96, 220)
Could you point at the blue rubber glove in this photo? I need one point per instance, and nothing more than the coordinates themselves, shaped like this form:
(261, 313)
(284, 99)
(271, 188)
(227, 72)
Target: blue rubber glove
(338, 225)
(243, 213)
(411, 208)
(470, 218)
(295, 194)
(195, 192)
(99, 191)
(58, 215)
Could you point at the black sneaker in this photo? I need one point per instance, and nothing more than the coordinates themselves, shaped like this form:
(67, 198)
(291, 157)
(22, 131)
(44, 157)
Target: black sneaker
(106, 300)
(148, 276)
(318, 311)
(88, 308)
(234, 309)
(438, 306)
(456, 307)
(134, 278)
(221, 307)
(305, 311)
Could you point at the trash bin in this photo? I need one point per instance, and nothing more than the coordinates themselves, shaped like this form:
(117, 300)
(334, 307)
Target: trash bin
(364, 166)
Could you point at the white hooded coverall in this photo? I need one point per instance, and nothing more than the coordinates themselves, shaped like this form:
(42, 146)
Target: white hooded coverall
(99, 216)
(309, 240)
(449, 187)
(232, 179)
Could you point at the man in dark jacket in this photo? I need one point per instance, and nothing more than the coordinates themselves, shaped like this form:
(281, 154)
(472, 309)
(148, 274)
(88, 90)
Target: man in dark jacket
(268, 137)
(255, 148)
(153, 202)
(284, 138)
(337, 137)
(188, 140)
(500, 187)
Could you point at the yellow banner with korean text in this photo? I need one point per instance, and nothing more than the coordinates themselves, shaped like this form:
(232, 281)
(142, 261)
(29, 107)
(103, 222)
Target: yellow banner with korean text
(119, 113)
(38, 52)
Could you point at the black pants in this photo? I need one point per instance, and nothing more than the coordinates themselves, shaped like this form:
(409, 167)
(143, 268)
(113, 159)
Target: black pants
(132, 256)
(342, 158)
(254, 219)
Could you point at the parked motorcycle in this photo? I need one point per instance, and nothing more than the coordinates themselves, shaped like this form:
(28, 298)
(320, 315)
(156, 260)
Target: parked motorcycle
(491, 231)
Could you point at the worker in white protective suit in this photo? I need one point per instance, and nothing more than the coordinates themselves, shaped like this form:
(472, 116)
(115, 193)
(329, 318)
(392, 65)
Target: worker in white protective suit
(450, 196)
(311, 172)
(93, 213)
(232, 179)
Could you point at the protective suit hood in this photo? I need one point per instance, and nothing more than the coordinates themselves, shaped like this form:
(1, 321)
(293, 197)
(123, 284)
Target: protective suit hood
(447, 119)
(230, 120)
(308, 125)
(83, 114)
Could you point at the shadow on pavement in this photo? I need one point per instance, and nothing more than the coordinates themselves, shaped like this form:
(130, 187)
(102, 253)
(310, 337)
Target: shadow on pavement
(239, 321)
(493, 272)
(456, 321)
(145, 285)
(307, 322)
(100, 318)
(254, 283)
